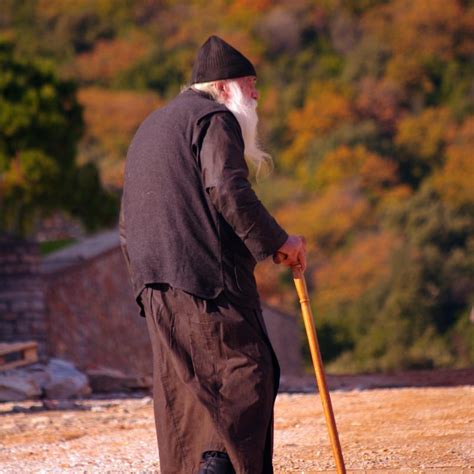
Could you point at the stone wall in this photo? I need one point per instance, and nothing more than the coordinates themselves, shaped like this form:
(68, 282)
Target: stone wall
(78, 304)
(92, 318)
(22, 306)
(285, 335)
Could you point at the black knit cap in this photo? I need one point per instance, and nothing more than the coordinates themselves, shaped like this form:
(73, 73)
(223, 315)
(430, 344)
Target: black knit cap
(219, 60)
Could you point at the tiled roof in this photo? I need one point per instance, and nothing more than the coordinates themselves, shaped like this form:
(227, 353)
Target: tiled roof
(85, 249)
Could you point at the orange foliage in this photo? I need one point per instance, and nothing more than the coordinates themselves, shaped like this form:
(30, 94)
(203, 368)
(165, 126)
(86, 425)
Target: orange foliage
(455, 181)
(326, 220)
(370, 171)
(322, 111)
(230, 20)
(424, 135)
(109, 58)
(350, 273)
(380, 100)
(394, 196)
(50, 9)
(423, 28)
(268, 104)
(250, 6)
(410, 72)
(465, 46)
(112, 118)
(12, 178)
(325, 109)
(418, 31)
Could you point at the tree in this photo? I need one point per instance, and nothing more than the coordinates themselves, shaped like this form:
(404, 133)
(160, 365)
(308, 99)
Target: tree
(40, 125)
(421, 140)
(418, 65)
(325, 109)
(418, 306)
(372, 173)
(454, 180)
(109, 60)
(111, 118)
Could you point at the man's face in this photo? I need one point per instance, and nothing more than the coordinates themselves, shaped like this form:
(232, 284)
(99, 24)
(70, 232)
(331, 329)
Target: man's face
(240, 96)
(247, 85)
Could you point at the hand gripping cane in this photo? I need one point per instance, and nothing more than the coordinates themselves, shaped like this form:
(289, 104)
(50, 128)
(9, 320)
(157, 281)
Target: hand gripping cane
(302, 291)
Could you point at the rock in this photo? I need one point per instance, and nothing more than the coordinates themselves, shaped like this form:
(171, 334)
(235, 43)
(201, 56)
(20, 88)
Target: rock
(16, 386)
(106, 380)
(38, 373)
(66, 381)
(59, 380)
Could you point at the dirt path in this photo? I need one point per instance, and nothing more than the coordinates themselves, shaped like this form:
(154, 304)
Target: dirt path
(398, 430)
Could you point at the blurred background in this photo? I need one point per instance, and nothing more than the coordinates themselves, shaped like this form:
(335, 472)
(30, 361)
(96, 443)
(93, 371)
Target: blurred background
(366, 106)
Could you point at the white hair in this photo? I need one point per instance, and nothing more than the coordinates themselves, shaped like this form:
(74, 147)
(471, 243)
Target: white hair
(245, 111)
(210, 88)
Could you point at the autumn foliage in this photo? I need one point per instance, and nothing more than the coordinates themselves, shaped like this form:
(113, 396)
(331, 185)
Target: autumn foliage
(367, 108)
(111, 119)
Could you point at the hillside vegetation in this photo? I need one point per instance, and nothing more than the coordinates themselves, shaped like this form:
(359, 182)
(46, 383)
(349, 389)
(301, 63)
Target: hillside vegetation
(367, 108)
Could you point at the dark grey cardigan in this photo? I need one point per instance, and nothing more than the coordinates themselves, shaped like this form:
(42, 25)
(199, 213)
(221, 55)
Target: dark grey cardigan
(189, 216)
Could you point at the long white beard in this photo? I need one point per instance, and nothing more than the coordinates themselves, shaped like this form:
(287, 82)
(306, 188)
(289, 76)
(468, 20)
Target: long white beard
(245, 111)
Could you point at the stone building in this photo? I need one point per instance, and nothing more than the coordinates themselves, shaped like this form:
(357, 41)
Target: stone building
(78, 304)
(22, 299)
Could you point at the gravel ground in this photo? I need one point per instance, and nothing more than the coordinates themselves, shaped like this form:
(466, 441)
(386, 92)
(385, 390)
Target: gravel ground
(383, 430)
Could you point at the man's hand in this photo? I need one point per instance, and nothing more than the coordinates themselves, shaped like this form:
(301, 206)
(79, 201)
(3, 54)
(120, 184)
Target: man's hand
(292, 252)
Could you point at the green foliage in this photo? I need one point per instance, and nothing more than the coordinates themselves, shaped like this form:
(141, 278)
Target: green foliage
(40, 124)
(361, 133)
(410, 318)
(454, 86)
(88, 201)
(162, 71)
(64, 28)
(462, 338)
(51, 246)
(35, 106)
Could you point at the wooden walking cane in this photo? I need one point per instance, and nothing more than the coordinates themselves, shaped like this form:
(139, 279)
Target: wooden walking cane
(302, 291)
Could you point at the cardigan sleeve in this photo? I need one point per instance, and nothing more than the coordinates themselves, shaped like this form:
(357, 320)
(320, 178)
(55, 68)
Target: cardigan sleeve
(225, 176)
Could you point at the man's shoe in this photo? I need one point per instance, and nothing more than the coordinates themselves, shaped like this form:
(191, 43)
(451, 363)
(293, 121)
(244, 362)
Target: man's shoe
(215, 462)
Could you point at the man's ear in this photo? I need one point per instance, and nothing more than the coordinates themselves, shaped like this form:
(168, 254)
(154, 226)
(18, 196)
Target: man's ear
(222, 89)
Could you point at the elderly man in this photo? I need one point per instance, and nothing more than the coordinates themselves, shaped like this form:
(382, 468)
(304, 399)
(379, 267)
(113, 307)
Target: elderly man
(192, 231)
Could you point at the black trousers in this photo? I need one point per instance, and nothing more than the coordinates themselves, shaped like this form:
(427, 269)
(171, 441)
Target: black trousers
(215, 382)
